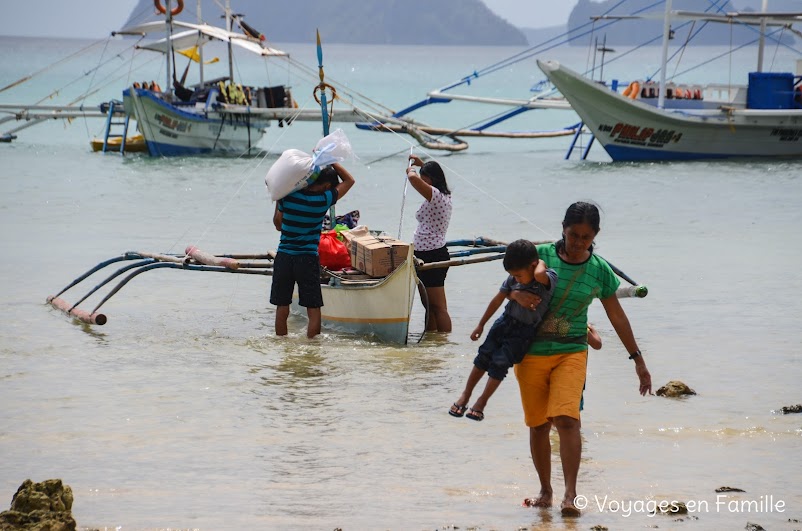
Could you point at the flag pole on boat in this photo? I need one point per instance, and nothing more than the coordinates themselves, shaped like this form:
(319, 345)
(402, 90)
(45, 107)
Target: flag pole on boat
(322, 86)
(323, 111)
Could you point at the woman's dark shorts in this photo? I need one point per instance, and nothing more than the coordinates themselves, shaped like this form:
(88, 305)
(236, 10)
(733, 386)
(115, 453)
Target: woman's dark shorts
(303, 269)
(433, 278)
(506, 344)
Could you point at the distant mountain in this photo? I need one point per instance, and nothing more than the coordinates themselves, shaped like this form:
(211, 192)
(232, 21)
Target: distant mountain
(538, 35)
(441, 22)
(629, 32)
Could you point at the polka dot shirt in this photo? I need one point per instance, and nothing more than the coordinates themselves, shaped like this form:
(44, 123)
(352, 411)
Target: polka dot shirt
(433, 218)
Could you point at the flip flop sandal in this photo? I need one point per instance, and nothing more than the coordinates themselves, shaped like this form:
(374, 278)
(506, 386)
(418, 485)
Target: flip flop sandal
(457, 410)
(474, 414)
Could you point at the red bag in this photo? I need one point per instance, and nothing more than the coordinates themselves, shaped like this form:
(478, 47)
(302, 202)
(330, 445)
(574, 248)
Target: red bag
(333, 253)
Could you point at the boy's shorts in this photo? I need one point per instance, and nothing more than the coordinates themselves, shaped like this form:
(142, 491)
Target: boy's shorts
(551, 386)
(505, 345)
(301, 269)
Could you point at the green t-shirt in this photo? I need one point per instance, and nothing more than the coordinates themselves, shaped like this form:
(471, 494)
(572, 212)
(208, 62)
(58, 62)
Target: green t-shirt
(564, 328)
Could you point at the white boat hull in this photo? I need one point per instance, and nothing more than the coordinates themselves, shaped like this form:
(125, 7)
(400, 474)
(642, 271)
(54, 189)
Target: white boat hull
(631, 130)
(380, 308)
(176, 130)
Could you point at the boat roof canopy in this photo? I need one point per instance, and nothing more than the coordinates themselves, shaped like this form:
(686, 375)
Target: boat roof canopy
(196, 35)
(750, 17)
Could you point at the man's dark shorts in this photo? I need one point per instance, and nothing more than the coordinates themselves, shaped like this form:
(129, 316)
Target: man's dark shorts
(506, 344)
(301, 269)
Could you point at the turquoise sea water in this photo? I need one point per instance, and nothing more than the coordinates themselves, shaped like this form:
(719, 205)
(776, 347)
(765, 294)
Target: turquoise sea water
(185, 411)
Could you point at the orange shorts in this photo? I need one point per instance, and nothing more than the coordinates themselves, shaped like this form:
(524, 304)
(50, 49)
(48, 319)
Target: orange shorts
(551, 386)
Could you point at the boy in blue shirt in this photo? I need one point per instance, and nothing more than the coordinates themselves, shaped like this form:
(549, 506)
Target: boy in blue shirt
(511, 334)
(299, 217)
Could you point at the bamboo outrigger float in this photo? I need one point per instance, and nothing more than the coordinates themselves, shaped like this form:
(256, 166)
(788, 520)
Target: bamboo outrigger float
(353, 302)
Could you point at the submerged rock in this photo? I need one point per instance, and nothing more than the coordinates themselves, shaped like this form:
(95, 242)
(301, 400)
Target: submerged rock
(675, 388)
(45, 506)
(729, 489)
(754, 527)
(791, 409)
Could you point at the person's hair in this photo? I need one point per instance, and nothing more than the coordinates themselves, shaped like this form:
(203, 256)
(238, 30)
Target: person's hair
(328, 175)
(433, 171)
(520, 254)
(581, 212)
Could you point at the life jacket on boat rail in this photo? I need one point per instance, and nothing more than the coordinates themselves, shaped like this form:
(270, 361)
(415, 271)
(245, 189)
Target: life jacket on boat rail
(632, 91)
(174, 11)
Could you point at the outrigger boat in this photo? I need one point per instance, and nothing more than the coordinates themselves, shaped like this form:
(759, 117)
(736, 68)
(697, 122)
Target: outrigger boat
(353, 302)
(665, 121)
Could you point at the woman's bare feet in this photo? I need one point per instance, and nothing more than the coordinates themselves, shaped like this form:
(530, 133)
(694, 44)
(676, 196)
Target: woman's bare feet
(543, 500)
(567, 508)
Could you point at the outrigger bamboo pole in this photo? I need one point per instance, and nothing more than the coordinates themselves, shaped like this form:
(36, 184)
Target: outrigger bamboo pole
(208, 259)
(81, 315)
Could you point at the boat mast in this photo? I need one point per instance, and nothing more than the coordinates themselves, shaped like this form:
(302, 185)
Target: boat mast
(230, 46)
(200, 46)
(762, 43)
(169, 18)
(661, 100)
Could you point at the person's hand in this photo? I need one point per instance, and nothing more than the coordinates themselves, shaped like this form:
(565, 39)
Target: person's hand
(643, 376)
(416, 161)
(525, 299)
(477, 332)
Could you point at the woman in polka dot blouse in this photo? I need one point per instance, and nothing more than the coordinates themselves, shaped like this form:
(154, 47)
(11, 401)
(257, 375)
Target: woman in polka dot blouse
(429, 239)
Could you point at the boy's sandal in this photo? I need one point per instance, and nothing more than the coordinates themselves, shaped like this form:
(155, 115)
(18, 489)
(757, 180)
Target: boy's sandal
(457, 410)
(475, 414)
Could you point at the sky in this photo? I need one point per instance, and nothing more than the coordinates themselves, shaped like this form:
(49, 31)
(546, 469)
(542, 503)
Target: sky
(91, 19)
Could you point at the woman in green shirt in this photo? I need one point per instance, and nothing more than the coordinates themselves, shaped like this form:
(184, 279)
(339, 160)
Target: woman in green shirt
(551, 377)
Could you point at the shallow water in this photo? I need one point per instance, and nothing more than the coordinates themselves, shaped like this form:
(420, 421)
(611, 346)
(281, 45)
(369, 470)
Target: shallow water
(185, 411)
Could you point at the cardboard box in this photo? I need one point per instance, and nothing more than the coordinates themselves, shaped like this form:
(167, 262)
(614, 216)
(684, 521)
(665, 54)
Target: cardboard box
(378, 257)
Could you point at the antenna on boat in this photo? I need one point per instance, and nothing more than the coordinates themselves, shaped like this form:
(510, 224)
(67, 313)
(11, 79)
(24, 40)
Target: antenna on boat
(603, 49)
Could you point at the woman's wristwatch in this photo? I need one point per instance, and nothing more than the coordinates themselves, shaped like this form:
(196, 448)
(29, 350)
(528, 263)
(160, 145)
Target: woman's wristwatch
(634, 355)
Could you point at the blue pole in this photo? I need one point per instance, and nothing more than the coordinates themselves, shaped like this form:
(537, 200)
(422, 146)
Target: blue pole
(322, 86)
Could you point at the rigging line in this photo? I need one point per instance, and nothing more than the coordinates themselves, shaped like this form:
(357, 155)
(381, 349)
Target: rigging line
(491, 196)
(526, 54)
(314, 75)
(404, 197)
(92, 81)
(48, 67)
(248, 173)
(477, 187)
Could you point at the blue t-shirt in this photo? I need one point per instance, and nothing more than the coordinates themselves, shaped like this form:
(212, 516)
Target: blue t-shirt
(527, 315)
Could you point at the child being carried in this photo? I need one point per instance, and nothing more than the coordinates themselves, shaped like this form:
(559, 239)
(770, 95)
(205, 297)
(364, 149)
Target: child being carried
(511, 334)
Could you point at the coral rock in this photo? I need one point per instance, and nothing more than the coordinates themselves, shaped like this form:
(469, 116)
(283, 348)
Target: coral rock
(39, 507)
(675, 388)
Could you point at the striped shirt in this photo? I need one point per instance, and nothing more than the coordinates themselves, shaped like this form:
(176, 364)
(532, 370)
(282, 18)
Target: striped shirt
(565, 326)
(302, 220)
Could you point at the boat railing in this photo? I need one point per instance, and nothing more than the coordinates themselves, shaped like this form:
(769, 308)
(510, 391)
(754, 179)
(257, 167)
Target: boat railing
(725, 93)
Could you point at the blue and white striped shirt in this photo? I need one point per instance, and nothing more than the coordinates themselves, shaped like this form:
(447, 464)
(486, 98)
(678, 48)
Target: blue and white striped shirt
(302, 220)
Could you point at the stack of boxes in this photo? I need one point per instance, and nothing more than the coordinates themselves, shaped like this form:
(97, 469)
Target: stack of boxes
(377, 256)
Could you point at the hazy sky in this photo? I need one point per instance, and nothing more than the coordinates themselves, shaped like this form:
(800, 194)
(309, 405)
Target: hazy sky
(94, 20)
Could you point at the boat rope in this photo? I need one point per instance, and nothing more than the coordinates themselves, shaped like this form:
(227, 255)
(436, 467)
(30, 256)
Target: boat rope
(247, 175)
(48, 67)
(404, 196)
